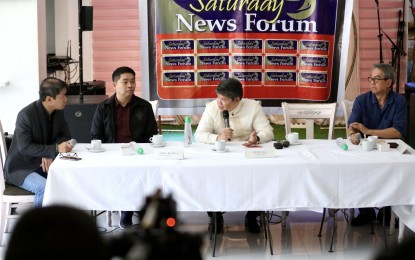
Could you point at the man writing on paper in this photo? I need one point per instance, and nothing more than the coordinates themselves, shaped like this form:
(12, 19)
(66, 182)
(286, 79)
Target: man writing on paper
(246, 121)
(379, 112)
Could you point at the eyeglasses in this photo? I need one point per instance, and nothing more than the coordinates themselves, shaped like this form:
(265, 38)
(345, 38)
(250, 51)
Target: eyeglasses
(374, 80)
(69, 156)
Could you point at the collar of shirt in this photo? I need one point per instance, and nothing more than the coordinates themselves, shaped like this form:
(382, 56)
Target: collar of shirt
(237, 109)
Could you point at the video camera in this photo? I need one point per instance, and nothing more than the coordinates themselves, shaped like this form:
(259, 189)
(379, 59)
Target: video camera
(157, 237)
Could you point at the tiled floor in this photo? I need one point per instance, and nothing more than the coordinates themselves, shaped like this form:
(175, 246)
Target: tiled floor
(298, 241)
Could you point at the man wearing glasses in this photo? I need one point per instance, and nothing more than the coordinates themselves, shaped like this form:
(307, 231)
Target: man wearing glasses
(379, 112)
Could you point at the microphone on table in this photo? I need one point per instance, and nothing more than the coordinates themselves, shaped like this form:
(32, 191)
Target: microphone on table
(72, 142)
(226, 119)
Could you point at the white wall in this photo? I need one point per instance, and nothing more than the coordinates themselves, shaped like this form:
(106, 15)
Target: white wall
(66, 28)
(23, 49)
(20, 53)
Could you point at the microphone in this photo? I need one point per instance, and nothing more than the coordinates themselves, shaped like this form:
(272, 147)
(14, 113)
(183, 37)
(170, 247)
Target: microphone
(226, 119)
(357, 136)
(72, 142)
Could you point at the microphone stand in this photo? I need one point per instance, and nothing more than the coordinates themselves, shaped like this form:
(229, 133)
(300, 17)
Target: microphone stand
(379, 35)
(396, 53)
(399, 43)
(394, 49)
(80, 29)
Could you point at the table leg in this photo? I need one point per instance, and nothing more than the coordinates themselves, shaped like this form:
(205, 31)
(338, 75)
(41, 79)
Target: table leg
(109, 218)
(392, 223)
(401, 230)
(284, 215)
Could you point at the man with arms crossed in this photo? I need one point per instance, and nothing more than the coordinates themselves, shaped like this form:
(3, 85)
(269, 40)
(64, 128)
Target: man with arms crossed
(123, 118)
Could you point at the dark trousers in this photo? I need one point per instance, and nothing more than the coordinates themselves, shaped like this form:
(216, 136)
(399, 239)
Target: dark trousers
(249, 214)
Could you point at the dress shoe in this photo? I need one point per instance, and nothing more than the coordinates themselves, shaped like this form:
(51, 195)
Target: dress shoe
(14, 211)
(363, 219)
(252, 224)
(387, 216)
(211, 227)
(360, 220)
(126, 219)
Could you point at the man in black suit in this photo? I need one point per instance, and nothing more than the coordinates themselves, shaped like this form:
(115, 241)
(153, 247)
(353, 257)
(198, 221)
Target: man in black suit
(41, 133)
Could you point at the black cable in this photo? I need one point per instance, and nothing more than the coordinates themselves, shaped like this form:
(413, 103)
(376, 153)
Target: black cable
(271, 214)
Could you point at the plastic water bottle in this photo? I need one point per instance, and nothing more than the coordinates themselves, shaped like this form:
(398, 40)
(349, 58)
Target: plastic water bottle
(187, 132)
(136, 148)
(342, 144)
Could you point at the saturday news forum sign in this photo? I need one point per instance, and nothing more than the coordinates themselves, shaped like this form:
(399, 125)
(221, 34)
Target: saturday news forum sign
(279, 50)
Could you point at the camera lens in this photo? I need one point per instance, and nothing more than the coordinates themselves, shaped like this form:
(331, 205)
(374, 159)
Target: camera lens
(278, 145)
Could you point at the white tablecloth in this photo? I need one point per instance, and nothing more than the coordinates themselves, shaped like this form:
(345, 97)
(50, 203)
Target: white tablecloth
(314, 174)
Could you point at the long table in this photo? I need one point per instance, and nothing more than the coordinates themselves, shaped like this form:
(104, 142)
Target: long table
(315, 174)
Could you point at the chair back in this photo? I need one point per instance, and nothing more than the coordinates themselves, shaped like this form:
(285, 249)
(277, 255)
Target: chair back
(155, 106)
(3, 147)
(309, 112)
(347, 110)
(3, 154)
(10, 196)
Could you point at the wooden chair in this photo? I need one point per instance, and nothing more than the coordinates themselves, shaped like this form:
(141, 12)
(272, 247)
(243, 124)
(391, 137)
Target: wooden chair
(309, 112)
(347, 110)
(12, 196)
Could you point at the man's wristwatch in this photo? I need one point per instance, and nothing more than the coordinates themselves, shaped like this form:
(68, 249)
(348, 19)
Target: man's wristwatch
(257, 140)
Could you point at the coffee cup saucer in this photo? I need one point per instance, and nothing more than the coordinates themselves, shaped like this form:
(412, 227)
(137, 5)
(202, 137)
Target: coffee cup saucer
(93, 150)
(158, 145)
(224, 151)
(296, 143)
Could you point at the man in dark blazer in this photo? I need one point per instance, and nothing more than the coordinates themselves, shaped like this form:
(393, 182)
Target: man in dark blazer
(41, 133)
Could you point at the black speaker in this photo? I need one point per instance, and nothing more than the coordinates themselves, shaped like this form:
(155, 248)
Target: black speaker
(79, 115)
(87, 18)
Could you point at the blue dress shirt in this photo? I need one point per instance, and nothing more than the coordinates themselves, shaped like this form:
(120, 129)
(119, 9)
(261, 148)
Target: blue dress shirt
(366, 110)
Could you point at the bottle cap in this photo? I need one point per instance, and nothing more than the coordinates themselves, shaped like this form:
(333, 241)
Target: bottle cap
(188, 120)
(344, 147)
(140, 150)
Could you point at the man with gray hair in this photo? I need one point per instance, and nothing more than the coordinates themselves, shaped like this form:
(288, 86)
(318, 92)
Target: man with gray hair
(379, 112)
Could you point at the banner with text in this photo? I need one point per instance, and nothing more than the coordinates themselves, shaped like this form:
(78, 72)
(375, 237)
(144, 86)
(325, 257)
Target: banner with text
(280, 50)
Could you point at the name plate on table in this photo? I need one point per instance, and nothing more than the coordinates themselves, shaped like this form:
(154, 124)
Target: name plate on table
(260, 152)
(169, 153)
(403, 149)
